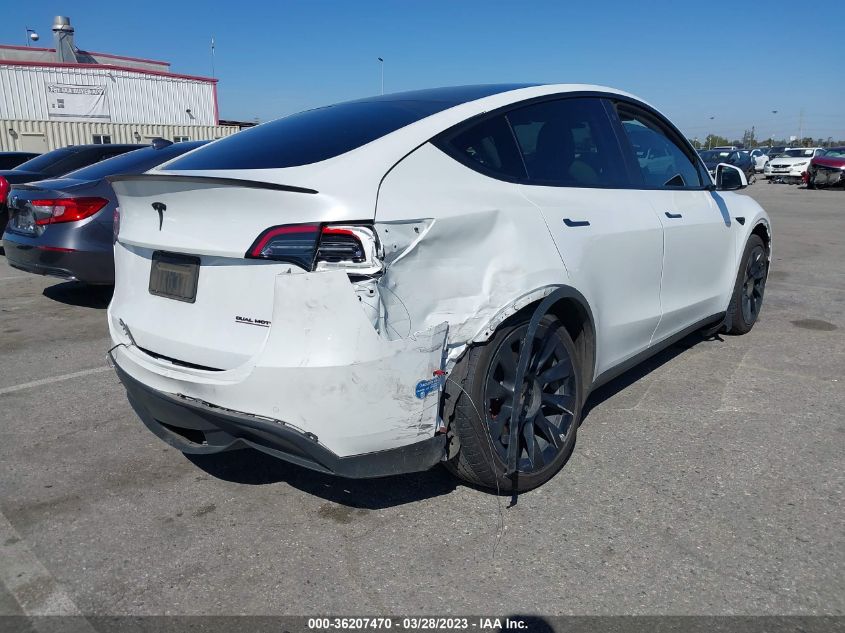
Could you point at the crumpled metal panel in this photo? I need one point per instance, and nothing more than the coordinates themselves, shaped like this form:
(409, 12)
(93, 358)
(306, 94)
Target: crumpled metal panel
(323, 369)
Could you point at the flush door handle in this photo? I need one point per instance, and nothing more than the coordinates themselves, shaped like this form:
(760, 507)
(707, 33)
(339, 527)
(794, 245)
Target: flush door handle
(572, 223)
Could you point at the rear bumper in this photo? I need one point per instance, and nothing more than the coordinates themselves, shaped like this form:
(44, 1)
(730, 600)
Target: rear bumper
(193, 426)
(89, 267)
(322, 368)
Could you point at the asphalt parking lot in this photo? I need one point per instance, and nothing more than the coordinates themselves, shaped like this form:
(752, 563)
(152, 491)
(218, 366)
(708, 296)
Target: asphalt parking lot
(708, 481)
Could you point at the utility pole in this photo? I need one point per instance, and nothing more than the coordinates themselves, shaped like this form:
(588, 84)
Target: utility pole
(801, 127)
(710, 136)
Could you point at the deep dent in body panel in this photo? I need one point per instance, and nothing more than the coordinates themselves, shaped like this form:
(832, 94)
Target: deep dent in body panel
(336, 378)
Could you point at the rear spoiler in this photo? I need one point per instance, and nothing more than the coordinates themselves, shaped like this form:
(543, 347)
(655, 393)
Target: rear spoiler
(209, 180)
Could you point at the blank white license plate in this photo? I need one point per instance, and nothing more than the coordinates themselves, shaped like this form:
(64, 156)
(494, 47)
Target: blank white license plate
(174, 276)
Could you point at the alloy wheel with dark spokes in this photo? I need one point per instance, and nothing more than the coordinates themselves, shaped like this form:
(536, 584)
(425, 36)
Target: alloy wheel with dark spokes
(548, 396)
(754, 284)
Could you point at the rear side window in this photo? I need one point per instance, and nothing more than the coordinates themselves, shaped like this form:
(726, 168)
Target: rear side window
(568, 142)
(662, 162)
(489, 147)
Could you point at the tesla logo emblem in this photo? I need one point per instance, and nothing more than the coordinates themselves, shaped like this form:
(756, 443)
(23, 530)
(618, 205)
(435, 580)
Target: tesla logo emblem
(161, 208)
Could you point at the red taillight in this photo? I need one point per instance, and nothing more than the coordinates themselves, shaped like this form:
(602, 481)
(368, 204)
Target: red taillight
(315, 245)
(65, 209)
(295, 243)
(4, 189)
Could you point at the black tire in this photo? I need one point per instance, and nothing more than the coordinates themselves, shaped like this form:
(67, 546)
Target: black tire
(482, 456)
(747, 297)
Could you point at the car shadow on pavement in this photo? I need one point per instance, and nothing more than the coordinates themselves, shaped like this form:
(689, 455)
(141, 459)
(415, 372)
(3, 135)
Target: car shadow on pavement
(74, 293)
(255, 468)
(642, 370)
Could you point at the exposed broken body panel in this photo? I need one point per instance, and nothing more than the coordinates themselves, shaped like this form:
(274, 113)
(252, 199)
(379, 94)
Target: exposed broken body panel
(322, 369)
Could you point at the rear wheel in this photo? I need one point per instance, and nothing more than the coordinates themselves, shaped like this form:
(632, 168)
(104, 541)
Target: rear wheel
(747, 298)
(551, 395)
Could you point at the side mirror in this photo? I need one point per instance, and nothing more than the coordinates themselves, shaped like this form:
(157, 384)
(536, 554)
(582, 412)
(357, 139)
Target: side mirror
(730, 178)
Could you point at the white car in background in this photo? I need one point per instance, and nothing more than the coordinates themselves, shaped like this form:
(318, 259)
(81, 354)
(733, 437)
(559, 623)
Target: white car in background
(382, 285)
(790, 165)
(759, 156)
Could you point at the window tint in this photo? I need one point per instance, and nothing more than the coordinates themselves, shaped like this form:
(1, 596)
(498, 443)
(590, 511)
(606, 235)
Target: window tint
(44, 161)
(74, 160)
(323, 133)
(77, 158)
(134, 162)
(9, 160)
(489, 146)
(568, 142)
(661, 161)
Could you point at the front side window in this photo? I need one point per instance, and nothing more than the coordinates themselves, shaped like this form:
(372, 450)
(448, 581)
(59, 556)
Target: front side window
(568, 142)
(662, 162)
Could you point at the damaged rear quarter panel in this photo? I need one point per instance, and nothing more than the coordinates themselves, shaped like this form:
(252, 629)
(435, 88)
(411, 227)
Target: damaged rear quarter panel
(481, 247)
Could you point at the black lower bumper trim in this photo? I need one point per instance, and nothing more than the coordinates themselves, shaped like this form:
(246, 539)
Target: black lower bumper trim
(195, 427)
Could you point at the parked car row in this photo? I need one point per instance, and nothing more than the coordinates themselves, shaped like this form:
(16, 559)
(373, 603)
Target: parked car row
(58, 209)
(814, 166)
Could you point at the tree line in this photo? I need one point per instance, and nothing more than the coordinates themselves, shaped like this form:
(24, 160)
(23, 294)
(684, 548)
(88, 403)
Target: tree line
(749, 140)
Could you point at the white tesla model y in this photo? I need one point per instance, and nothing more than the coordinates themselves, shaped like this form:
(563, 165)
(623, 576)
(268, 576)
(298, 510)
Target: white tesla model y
(381, 285)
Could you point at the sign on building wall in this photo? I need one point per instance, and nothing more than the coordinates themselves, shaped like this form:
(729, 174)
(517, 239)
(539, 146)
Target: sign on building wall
(77, 103)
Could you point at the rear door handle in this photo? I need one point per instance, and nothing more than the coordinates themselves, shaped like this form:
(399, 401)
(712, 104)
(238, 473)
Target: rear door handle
(569, 222)
(674, 216)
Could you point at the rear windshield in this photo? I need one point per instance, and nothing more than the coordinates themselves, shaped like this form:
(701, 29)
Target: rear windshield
(40, 163)
(713, 155)
(798, 153)
(134, 162)
(323, 133)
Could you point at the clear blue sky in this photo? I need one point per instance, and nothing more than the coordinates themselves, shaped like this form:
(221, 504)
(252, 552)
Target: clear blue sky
(734, 61)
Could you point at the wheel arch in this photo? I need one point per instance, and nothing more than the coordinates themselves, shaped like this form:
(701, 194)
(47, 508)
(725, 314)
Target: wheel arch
(763, 230)
(572, 308)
